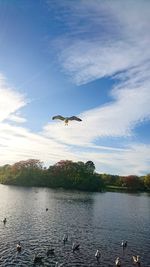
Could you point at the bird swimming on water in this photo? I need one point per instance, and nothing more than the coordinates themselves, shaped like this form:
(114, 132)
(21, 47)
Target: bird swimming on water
(75, 246)
(4, 220)
(124, 244)
(98, 255)
(66, 119)
(118, 262)
(18, 247)
(136, 260)
(65, 238)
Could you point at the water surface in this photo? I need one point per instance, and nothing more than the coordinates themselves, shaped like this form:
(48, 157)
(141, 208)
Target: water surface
(96, 220)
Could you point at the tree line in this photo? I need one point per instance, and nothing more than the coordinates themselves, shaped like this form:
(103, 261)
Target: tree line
(69, 175)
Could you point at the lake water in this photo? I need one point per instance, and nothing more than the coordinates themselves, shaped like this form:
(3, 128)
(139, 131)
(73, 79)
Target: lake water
(95, 220)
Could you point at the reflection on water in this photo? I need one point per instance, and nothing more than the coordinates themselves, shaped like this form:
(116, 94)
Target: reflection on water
(95, 220)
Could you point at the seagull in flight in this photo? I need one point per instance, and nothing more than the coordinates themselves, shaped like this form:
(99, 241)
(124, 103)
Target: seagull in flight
(66, 119)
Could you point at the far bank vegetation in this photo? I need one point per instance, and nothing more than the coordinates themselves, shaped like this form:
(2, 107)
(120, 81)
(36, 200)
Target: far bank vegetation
(69, 175)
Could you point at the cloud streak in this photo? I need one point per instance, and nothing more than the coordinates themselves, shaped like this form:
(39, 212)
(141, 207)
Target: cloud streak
(10, 100)
(104, 38)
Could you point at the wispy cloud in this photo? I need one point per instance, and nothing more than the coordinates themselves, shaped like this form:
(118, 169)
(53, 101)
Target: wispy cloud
(17, 118)
(19, 143)
(105, 37)
(132, 160)
(86, 61)
(10, 100)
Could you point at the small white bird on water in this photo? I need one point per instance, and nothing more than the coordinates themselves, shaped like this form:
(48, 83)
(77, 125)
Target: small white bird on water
(118, 262)
(136, 259)
(18, 247)
(97, 254)
(124, 244)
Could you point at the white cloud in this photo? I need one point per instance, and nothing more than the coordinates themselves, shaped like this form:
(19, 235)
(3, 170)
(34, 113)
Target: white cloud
(133, 160)
(105, 37)
(18, 143)
(17, 118)
(86, 61)
(10, 100)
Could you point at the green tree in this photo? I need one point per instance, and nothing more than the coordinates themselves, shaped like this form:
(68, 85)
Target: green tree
(27, 172)
(147, 181)
(132, 182)
(90, 167)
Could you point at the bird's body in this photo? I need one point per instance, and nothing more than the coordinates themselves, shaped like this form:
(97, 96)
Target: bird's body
(136, 259)
(124, 244)
(118, 262)
(18, 247)
(4, 220)
(65, 238)
(75, 246)
(97, 255)
(66, 119)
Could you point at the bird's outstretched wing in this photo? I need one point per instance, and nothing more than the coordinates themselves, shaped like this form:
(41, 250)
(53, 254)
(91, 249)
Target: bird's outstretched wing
(59, 117)
(74, 118)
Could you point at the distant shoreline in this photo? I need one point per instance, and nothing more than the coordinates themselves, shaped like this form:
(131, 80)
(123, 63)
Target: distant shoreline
(110, 188)
(70, 175)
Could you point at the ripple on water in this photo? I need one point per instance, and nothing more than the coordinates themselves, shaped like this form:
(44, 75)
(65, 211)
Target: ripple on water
(96, 221)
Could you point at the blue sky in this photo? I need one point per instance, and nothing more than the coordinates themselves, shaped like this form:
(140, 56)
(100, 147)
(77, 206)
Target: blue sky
(80, 57)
